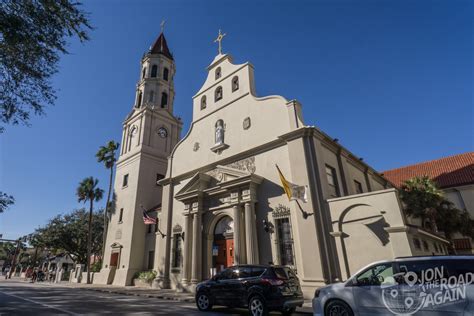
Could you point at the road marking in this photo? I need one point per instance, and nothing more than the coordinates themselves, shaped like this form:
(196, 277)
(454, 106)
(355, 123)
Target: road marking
(42, 304)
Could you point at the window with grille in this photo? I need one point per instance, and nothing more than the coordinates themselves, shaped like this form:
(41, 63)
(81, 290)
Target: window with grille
(177, 250)
(285, 241)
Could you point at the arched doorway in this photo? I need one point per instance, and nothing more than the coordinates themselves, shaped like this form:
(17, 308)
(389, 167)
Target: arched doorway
(223, 244)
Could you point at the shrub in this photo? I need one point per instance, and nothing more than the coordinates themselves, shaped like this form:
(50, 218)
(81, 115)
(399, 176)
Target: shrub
(96, 266)
(147, 276)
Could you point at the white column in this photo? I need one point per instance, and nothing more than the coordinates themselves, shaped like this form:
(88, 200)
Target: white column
(237, 216)
(196, 253)
(251, 238)
(188, 234)
(243, 233)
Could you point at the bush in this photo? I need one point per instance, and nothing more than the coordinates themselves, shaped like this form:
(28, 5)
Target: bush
(96, 266)
(147, 276)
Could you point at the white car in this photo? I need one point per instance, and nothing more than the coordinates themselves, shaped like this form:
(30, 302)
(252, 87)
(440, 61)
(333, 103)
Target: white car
(435, 285)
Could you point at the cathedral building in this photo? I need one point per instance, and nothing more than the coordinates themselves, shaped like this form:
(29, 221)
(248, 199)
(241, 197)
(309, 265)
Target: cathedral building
(217, 193)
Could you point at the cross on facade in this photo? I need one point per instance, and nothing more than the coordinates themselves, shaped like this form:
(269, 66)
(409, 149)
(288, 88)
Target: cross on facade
(219, 38)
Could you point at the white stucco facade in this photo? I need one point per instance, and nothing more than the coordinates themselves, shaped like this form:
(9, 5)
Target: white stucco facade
(223, 171)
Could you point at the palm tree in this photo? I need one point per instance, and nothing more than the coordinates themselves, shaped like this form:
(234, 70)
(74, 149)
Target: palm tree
(88, 191)
(106, 155)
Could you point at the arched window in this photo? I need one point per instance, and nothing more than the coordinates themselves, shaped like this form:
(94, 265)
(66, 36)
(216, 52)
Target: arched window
(151, 96)
(164, 100)
(218, 94)
(203, 102)
(235, 83)
(139, 99)
(143, 72)
(165, 74)
(154, 71)
(218, 73)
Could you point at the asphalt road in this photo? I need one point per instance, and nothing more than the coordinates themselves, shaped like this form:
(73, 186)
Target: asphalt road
(19, 298)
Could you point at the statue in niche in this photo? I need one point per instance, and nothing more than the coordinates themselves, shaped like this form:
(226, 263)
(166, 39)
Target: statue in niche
(219, 132)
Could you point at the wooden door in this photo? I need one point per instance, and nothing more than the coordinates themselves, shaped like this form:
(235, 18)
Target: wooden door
(229, 243)
(114, 259)
(221, 261)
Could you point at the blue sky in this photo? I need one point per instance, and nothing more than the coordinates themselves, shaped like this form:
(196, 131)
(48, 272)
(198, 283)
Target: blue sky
(391, 79)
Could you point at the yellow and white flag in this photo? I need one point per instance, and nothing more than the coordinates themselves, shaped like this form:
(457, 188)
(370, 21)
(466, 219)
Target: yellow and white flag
(293, 191)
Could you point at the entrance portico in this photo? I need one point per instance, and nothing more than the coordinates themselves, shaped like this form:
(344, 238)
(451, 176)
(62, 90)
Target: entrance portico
(223, 194)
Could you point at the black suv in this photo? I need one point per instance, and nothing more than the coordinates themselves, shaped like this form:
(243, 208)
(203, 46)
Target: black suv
(261, 288)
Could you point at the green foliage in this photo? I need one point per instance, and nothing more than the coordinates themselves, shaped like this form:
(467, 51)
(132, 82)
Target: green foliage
(68, 233)
(106, 154)
(96, 266)
(88, 190)
(6, 250)
(5, 201)
(423, 199)
(147, 276)
(33, 35)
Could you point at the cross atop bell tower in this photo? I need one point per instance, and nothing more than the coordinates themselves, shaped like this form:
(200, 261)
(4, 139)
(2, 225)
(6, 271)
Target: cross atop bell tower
(155, 88)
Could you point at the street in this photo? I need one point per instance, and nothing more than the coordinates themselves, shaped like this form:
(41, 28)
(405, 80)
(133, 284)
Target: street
(21, 298)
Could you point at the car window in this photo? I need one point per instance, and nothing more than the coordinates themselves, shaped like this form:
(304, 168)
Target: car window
(224, 275)
(376, 275)
(257, 271)
(241, 272)
(437, 270)
(284, 273)
(461, 267)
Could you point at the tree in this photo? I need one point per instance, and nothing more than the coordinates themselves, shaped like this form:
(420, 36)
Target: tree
(466, 224)
(422, 200)
(106, 155)
(88, 191)
(5, 201)
(33, 35)
(68, 233)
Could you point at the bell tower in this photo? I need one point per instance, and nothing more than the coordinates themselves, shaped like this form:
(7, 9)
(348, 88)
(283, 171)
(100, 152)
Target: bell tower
(149, 135)
(155, 87)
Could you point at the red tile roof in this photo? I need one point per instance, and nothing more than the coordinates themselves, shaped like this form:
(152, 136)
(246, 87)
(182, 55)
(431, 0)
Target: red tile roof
(446, 172)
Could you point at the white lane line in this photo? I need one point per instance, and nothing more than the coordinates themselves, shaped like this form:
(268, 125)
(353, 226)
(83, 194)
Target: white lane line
(39, 303)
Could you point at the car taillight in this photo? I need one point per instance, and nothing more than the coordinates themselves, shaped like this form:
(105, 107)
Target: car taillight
(273, 281)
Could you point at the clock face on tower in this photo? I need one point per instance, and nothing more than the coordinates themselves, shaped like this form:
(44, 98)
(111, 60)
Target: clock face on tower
(162, 132)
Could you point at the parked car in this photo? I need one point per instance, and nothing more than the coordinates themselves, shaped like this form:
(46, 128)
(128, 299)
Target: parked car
(434, 285)
(260, 288)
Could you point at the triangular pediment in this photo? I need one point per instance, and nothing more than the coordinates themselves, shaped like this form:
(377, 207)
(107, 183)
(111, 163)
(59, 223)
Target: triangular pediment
(198, 182)
(203, 181)
(223, 174)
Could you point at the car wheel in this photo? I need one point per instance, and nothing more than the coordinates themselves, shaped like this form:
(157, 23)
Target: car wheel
(257, 306)
(338, 308)
(203, 302)
(288, 311)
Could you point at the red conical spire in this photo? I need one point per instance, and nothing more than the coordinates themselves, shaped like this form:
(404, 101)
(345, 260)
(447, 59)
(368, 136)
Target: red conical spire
(160, 47)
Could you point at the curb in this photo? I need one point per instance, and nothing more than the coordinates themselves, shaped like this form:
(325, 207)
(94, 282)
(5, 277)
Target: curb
(163, 297)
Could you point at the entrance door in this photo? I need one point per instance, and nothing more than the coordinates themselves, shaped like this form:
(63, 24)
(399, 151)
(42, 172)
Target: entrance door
(229, 245)
(223, 246)
(114, 259)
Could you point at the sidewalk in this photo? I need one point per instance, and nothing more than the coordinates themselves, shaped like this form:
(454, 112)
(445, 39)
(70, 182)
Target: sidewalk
(171, 295)
(127, 290)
